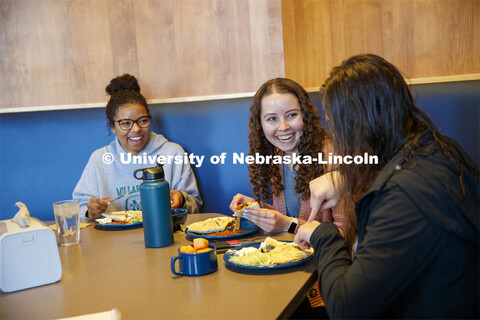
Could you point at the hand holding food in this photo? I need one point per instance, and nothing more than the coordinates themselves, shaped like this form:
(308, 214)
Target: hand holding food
(96, 207)
(241, 207)
(267, 219)
(239, 199)
(324, 193)
(302, 238)
(176, 199)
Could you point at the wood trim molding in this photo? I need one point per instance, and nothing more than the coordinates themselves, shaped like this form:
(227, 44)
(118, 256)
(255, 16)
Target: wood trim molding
(465, 77)
(457, 78)
(151, 101)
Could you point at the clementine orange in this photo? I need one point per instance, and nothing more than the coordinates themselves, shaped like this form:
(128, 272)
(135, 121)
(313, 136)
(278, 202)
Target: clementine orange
(200, 243)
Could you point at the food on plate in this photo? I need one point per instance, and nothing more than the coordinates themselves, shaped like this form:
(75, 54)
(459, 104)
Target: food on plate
(117, 222)
(247, 205)
(121, 217)
(226, 233)
(270, 253)
(211, 225)
(199, 245)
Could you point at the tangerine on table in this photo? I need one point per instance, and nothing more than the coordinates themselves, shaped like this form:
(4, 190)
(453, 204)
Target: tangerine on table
(187, 249)
(200, 243)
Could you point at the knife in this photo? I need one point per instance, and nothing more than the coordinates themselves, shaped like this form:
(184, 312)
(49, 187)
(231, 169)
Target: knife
(224, 246)
(120, 197)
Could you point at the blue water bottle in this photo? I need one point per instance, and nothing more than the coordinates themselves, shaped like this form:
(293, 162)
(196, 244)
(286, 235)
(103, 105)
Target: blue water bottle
(155, 195)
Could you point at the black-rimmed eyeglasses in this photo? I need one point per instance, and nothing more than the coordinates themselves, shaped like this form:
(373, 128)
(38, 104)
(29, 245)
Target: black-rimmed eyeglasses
(127, 124)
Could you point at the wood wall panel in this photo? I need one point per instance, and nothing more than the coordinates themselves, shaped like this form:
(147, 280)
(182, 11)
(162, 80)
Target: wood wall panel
(424, 38)
(57, 52)
(63, 53)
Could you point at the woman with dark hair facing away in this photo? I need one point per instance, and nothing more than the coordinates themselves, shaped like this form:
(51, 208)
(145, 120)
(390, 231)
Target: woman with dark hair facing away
(104, 179)
(416, 211)
(284, 122)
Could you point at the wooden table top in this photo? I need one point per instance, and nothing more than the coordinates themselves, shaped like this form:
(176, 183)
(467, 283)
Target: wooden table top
(114, 269)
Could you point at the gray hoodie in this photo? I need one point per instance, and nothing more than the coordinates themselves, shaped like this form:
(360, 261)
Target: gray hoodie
(109, 174)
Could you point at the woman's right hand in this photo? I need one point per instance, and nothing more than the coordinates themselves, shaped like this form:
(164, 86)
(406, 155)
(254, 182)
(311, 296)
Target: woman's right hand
(302, 238)
(96, 207)
(239, 198)
(324, 193)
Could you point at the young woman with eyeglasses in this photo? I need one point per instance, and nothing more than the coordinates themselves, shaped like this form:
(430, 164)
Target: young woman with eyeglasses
(107, 177)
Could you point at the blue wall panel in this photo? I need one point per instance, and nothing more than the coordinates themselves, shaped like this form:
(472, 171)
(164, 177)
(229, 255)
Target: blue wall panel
(455, 108)
(42, 154)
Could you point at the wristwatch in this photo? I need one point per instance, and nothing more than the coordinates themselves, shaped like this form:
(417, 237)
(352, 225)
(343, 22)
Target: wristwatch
(292, 226)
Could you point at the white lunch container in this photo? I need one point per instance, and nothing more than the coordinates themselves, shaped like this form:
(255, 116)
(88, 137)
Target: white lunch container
(28, 256)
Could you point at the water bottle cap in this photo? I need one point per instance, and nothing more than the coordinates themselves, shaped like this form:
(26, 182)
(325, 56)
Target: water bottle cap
(155, 173)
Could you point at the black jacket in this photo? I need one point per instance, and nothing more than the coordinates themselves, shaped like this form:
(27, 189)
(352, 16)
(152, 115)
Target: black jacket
(418, 244)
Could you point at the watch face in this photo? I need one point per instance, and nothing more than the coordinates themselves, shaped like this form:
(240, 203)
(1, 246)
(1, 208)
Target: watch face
(292, 227)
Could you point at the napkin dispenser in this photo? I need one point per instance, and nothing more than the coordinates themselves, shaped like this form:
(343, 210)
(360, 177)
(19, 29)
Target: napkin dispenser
(28, 256)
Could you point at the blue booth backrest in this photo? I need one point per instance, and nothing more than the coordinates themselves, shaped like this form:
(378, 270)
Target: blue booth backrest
(43, 153)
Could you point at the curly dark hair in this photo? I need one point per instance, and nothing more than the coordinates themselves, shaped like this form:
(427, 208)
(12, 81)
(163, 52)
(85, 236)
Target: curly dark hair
(123, 90)
(265, 179)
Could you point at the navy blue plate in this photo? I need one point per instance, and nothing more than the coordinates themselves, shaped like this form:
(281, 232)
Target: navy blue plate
(244, 225)
(118, 226)
(228, 255)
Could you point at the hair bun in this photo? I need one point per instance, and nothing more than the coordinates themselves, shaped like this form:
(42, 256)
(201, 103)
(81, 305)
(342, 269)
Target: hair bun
(125, 82)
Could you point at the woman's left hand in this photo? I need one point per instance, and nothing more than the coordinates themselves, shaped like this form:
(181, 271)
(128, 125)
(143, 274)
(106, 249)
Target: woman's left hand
(268, 220)
(176, 199)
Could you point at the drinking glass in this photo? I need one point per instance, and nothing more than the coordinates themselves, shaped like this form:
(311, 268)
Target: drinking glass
(67, 220)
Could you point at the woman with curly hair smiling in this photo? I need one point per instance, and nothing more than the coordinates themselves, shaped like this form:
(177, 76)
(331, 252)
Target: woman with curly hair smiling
(284, 122)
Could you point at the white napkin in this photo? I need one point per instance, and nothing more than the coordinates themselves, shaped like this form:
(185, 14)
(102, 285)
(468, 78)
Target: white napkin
(113, 314)
(22, 217)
